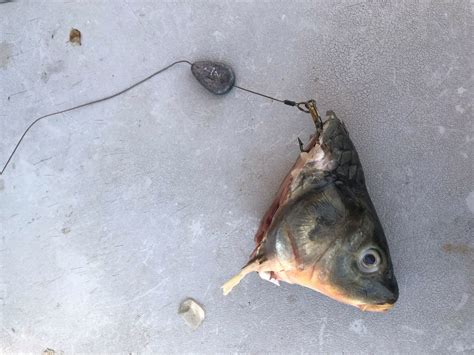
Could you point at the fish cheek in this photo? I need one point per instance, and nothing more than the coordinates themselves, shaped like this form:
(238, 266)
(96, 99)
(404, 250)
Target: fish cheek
(343, 273)
(278, 245)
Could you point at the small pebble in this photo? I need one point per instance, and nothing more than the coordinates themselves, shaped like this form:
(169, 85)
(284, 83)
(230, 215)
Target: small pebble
(75, 36)
(192, 313)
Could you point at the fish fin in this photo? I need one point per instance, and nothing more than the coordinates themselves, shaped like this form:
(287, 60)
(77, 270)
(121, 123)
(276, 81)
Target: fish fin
(256, 264)
(234, 281)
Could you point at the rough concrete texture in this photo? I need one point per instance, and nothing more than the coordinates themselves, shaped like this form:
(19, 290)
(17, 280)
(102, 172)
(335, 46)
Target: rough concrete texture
(112, 215)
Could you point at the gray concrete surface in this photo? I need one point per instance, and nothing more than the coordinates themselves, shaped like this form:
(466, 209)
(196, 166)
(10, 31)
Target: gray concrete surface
(111, 215)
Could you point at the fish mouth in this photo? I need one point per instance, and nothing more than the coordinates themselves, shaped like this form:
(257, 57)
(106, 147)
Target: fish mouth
(386, 303)
(306, 278)
(379, 307)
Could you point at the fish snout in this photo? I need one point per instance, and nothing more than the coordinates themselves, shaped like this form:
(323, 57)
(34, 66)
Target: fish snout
(391, 291)
(380, 296)
(385, 297)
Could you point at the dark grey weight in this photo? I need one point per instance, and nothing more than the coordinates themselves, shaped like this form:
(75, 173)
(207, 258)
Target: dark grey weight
(216, 77)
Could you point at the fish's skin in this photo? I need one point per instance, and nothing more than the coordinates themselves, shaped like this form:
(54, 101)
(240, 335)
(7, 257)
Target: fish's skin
(321, 225)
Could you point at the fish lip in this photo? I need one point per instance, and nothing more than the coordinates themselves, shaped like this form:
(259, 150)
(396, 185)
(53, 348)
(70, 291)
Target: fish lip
(391, 301)
(376, 307)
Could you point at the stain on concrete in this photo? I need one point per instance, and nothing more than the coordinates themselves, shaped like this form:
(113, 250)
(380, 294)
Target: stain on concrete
(6, 50)
(460, 109)
(44, 77)
(55, 67)
(66, 230)
(52, 68)
(464, 298)
(413, 330)
(358, 327)
(470, 201)
(462, 249)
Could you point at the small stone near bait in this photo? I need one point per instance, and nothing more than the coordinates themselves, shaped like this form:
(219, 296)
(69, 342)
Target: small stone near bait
(192, 313)
(216, 77)
(75, 37)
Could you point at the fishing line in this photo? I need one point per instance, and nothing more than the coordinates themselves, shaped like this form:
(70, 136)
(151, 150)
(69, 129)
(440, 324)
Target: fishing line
(218, 78)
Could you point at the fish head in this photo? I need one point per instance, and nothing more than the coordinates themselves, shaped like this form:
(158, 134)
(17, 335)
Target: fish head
(322, 230)
(357, 268)
(331, 240)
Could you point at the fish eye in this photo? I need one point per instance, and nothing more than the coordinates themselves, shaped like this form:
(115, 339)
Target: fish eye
(369, 260)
